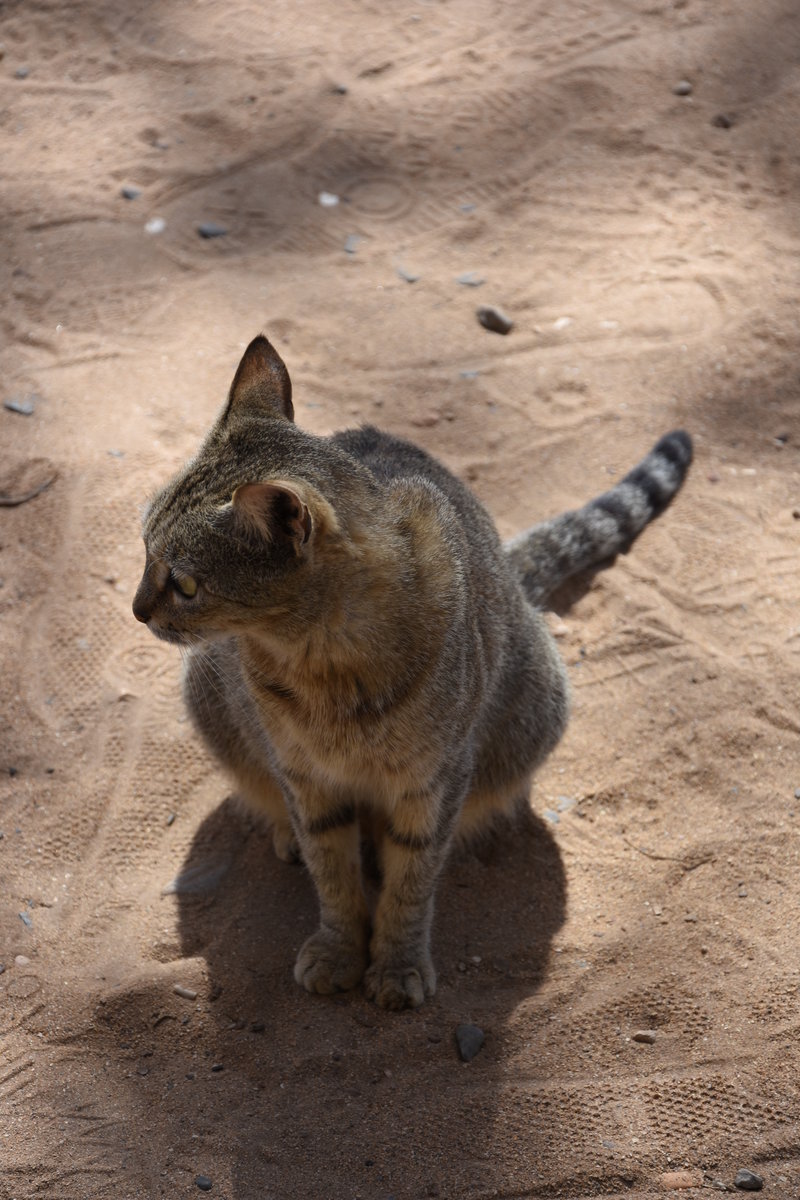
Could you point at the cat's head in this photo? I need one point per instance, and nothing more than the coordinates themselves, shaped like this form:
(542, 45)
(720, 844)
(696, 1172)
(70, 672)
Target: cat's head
(231, 539)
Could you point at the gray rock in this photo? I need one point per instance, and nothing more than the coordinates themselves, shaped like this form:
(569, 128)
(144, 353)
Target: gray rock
(722, 121)
(409, 276)
(469, 1039)
(210, 229)
(22, 72)
(470, 279)
(204, 1183)
(130, 193)
(683, 88)
(25, 405)
(352, 242)
(644, 1035)
(748, 1181)
(494, 320)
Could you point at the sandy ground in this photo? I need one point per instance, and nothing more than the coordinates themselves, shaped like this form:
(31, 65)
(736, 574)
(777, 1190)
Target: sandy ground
(647, 246)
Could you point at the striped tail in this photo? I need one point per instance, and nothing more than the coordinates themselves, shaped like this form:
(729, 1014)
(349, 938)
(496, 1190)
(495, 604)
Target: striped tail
(549, 553)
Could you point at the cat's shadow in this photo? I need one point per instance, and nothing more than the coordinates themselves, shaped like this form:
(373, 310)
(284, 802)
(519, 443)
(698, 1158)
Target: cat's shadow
(246, 914)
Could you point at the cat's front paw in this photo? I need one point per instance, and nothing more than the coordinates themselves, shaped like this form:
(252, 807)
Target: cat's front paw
(329, 962)
(284, 843)
(405, 984)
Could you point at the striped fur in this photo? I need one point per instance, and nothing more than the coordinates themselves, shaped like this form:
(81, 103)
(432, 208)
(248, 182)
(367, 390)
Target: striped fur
(551, 552)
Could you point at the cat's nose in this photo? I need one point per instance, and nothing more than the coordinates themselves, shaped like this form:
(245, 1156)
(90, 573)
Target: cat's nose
(142, 606)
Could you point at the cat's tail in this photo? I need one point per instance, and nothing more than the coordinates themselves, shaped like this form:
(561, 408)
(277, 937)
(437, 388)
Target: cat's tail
(549, 553)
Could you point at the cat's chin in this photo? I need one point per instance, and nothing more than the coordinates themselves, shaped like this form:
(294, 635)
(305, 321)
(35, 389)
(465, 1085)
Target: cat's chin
(176, 637)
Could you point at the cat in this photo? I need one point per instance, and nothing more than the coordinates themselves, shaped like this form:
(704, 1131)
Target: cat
(361, 645)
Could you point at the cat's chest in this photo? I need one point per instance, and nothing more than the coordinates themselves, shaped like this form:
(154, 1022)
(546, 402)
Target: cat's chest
(345, 734)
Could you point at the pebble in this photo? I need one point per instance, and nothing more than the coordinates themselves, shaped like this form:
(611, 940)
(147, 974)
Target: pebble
(257, 1026)
(742, 892)
(184, 992)
(683, 88)
(470, 279)
(328, 199)
(797, 793)
(552, 816)
(677, 1180)
(409, 276)
(691, 918)
(352, 242)
(2, 968)
(469, 1039)
(494, 320)
(218, 1067)
(722, 121)
(204, 1183)
(155, 225)
(562, 323)
(171, 819)
(210, 229)
(25, 405)
(748, 1181)
(23, 916)
(644, 1035)
(22, 961)
(22, 72)
(130, 193)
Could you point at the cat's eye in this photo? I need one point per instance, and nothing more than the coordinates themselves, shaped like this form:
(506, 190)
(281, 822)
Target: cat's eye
(185, 585)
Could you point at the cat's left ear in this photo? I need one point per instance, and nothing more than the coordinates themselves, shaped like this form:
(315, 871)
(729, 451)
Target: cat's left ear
(275, 511)
(261, 383)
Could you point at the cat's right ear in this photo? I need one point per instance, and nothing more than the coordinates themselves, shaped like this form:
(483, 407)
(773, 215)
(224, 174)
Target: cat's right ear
(261, 383)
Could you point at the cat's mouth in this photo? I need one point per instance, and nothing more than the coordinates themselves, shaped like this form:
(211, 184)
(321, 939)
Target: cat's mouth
(176, 637)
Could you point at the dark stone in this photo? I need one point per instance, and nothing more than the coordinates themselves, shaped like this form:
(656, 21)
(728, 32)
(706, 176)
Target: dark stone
(218, 1067)
(722, 121)
(130, 193)
(204, 1183)
(748, 1181)
(25, 405)
(469, 1039)
(210, 229)
(494, 320)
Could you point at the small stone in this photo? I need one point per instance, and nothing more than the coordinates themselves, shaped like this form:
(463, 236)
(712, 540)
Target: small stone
(409, 276)
(24, 405)
(691, 918)
(155, 225)
(647, 1036)
(22, 72)
(2, 968)
(184, 992)
(552, 816)
(218, 1067)
(328, 199)
(204, 1183)
(683, 88)
(722, 121)
(26, 921)
(797, 793)
(679, 1180)
(469, 1039)
(470, 279)
(352, 242)
(128, 192)
(748, 1181)
(210, 229)
(562, 323)
(494, 320)
(171, 819)
(340, 89)
(742, 892)
(22, 961)
(257, 1026)
(796, 515)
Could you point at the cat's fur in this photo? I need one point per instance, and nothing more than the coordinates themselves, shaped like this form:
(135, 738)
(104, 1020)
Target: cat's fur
(363, 645)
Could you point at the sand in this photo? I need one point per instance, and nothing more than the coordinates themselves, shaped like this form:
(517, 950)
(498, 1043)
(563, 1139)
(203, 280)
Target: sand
(646, 245)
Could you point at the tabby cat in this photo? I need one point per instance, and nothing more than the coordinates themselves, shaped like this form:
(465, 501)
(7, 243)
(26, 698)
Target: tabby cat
(363, 647)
